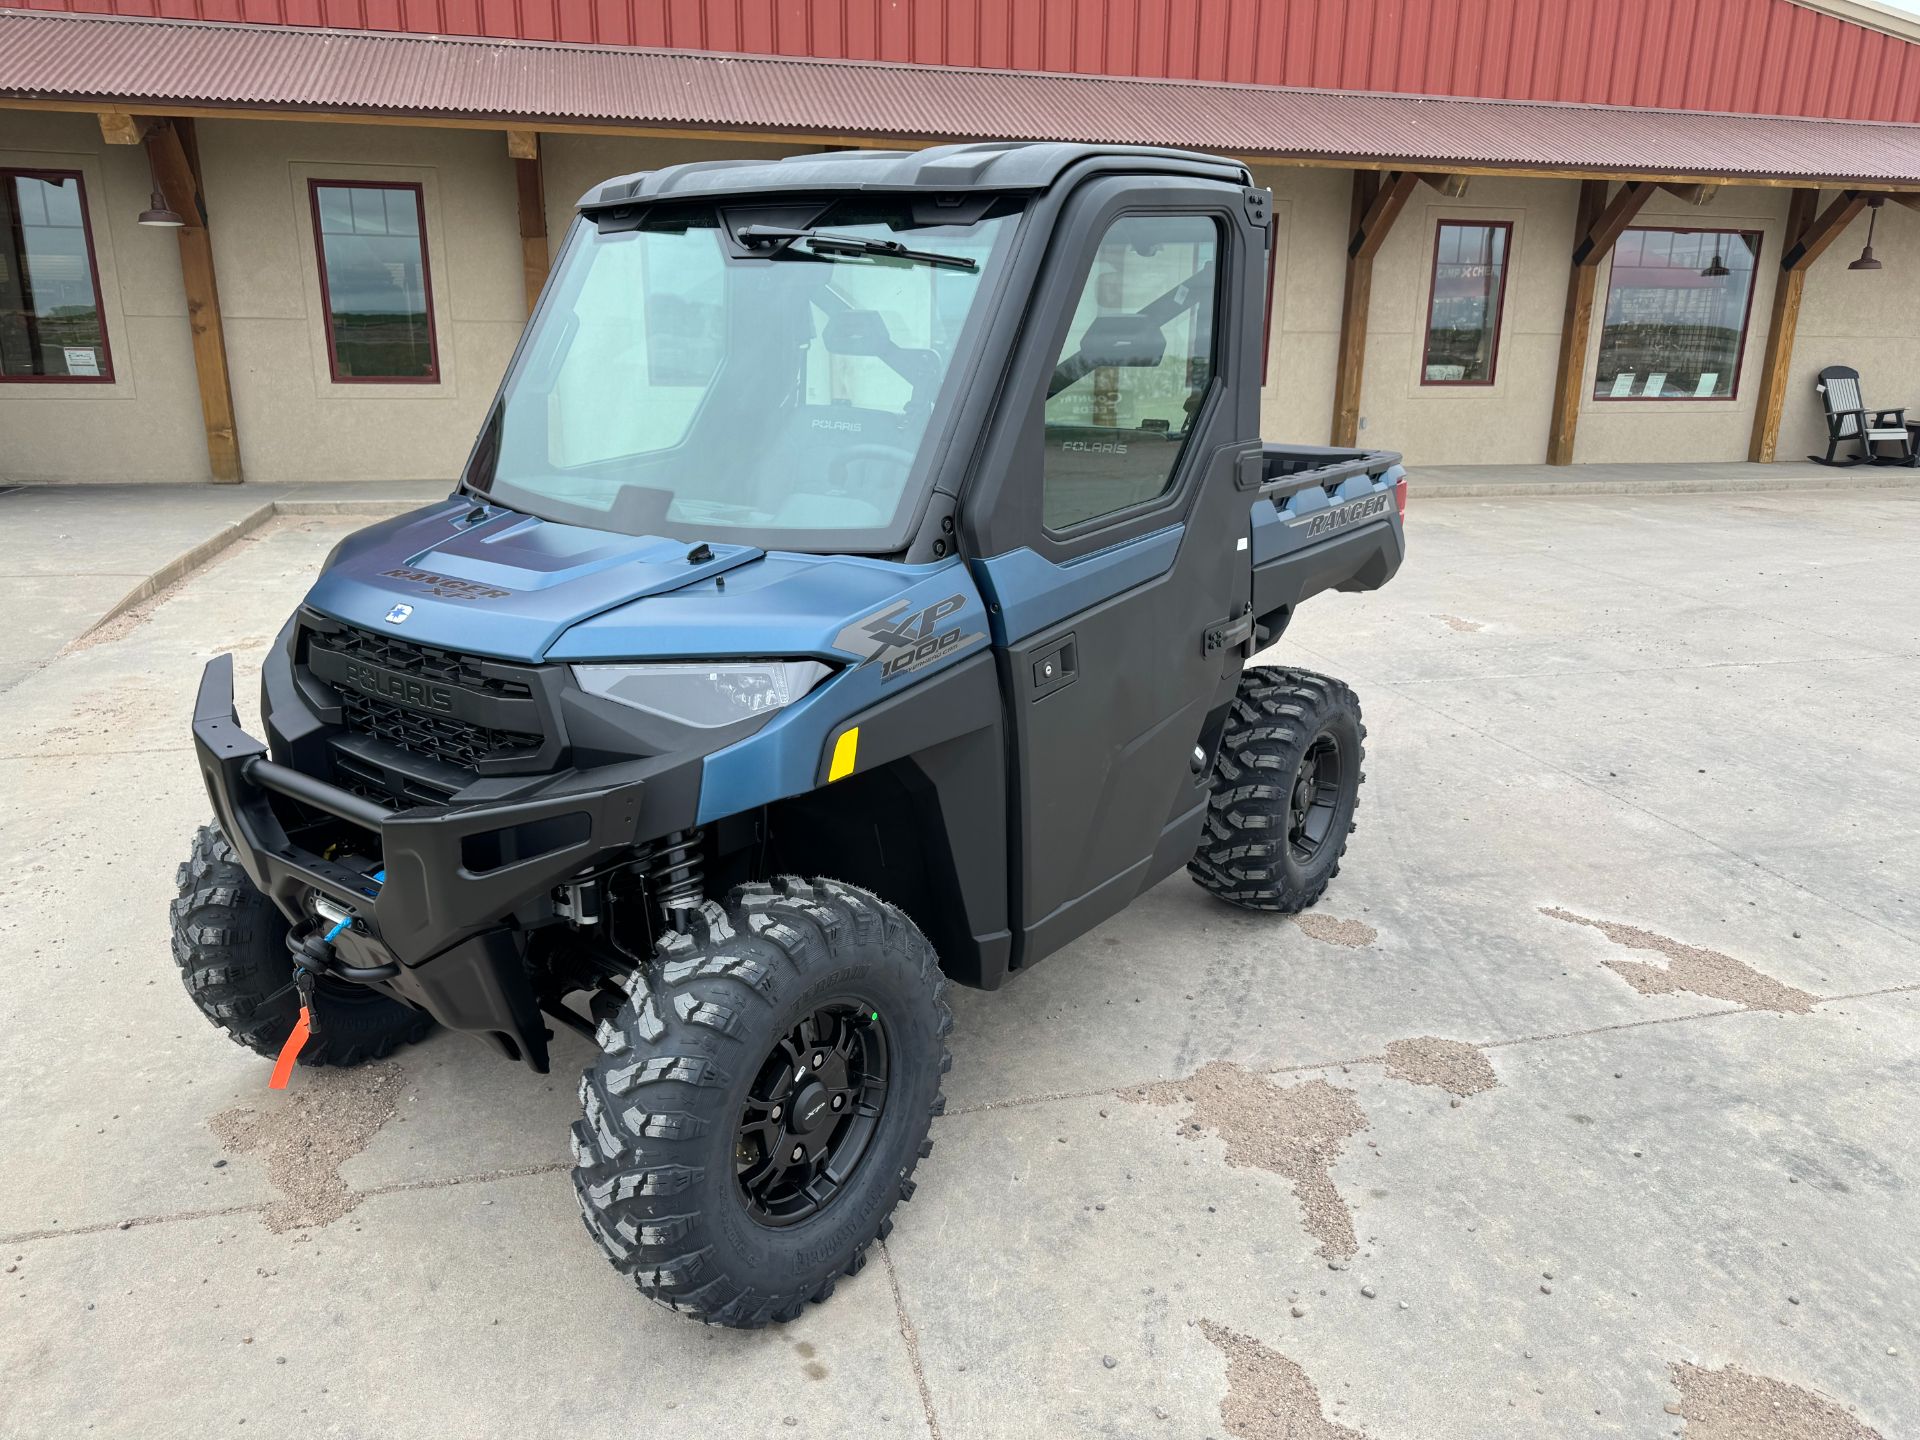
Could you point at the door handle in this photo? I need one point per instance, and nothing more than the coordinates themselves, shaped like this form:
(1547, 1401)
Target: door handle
(1055, 667)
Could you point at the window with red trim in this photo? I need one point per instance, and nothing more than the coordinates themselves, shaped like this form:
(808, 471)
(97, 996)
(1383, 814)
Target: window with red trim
(51, 328)
(1678, 302)
(1463, 305)
(374, 282)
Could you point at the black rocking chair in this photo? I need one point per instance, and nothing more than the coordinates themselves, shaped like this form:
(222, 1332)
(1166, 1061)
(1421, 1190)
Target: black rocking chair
(1849, 421)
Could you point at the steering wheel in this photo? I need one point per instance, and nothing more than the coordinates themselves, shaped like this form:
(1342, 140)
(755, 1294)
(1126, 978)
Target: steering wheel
(871, 451)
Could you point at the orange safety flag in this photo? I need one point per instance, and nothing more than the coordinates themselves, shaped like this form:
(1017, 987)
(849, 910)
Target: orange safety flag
(289, 1052)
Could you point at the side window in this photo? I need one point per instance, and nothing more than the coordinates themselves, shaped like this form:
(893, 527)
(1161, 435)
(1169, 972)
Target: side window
(1134, 369)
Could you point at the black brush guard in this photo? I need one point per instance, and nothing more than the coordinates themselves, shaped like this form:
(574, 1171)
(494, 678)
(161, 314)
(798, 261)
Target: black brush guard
(437, 931)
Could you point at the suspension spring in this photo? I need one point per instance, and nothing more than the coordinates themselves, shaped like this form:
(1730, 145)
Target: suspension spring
(675, 871)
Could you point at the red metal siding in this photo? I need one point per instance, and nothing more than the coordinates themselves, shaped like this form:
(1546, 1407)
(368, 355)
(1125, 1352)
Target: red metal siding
(1748, 56)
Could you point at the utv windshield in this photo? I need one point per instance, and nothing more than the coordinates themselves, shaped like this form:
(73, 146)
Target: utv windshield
(731, 376)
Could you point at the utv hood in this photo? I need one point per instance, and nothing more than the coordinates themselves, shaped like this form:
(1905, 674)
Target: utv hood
(519, 588)
(501, 584)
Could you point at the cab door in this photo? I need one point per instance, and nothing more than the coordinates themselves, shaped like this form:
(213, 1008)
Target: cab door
(1113, 538)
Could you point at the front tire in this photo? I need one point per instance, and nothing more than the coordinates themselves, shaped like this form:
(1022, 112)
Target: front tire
(761, 1100)
(1286, 784)
(230, 942)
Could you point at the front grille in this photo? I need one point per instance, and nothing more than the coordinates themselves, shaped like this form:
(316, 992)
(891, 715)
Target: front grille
(460, 740)
(441, 666)
(451, 742)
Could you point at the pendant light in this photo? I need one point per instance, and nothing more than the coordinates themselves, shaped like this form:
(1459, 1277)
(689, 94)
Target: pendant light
(1717, 268)
(1866, 260)
(157, 213)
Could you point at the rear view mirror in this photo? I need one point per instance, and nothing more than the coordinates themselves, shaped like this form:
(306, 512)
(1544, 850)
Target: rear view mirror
(1128, 340)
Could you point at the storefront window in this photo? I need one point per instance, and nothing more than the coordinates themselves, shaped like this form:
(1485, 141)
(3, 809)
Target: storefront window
(1463, 314)
(1677, 308)
(373, 280)
(50, 324)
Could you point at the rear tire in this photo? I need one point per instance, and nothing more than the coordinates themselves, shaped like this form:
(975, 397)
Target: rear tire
(230, 943)
(681, 1160)
(1285, 786)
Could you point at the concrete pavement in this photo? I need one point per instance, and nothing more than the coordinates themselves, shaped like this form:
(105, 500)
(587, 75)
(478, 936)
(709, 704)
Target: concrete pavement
(78, 555)
(1204, 1173)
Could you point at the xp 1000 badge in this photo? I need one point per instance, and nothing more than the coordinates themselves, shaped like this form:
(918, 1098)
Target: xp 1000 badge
(901, 639)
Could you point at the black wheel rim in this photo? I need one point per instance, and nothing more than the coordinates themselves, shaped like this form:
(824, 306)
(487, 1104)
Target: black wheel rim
(811, 1113)
(1315, 799)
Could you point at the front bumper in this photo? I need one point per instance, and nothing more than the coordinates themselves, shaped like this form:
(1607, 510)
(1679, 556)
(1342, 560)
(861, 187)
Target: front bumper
(446, 929)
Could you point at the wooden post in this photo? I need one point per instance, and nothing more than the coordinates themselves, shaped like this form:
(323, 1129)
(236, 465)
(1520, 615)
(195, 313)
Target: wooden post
(175, 159)
(1377, 203)
(524, 147)
(1574, 325)
(1600, 222)
(1807, 238)
(534, 260)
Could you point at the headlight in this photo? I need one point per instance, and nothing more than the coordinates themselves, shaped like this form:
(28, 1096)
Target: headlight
(704, 695)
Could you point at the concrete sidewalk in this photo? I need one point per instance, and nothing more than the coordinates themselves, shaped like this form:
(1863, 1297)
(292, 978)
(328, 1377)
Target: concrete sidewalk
(75, 556)
(1440, 482)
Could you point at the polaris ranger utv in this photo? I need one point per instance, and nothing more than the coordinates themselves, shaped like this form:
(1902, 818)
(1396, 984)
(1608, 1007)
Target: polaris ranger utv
(849, 591)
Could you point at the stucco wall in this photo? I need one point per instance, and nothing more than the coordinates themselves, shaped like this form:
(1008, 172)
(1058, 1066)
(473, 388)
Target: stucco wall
(295, 423)
(1504, 423)
(1309, 269)
(146, 424)
(1869, 319)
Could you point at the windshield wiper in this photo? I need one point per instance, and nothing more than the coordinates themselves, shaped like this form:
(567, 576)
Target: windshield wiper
(776, 239)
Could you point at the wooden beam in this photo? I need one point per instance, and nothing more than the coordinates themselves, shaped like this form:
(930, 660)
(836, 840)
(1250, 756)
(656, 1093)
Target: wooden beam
(1912, 202)
(1598, 238)
(534, 261)
(119, 128)
(1824, 231)
(175, 173)
(1451, 186)
(175, 159)
(523, 144)
(1389, 198)
(1574, 324)
(1377, 203)
(1350, 357)
(1692, 194)
(1778, 358)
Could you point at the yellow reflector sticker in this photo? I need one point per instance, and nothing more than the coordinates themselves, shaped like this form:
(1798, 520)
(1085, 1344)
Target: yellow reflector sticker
(843, 752)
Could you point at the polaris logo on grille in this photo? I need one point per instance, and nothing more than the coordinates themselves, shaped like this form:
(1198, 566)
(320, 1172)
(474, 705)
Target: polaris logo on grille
(1322, 521)
(390, 685)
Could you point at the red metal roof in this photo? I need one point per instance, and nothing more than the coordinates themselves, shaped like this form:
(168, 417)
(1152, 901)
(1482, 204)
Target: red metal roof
(192, 64)
(1748, 56)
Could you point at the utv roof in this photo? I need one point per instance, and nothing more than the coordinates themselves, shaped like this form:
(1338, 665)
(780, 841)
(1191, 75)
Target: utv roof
(994, 166)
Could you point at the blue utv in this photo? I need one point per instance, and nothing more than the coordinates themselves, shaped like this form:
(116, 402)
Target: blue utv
(849, 591)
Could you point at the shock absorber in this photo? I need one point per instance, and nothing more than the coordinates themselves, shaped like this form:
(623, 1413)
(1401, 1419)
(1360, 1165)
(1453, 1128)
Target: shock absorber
(674, 868)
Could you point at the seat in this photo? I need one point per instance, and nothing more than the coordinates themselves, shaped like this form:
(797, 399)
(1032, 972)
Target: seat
(1849, 421)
